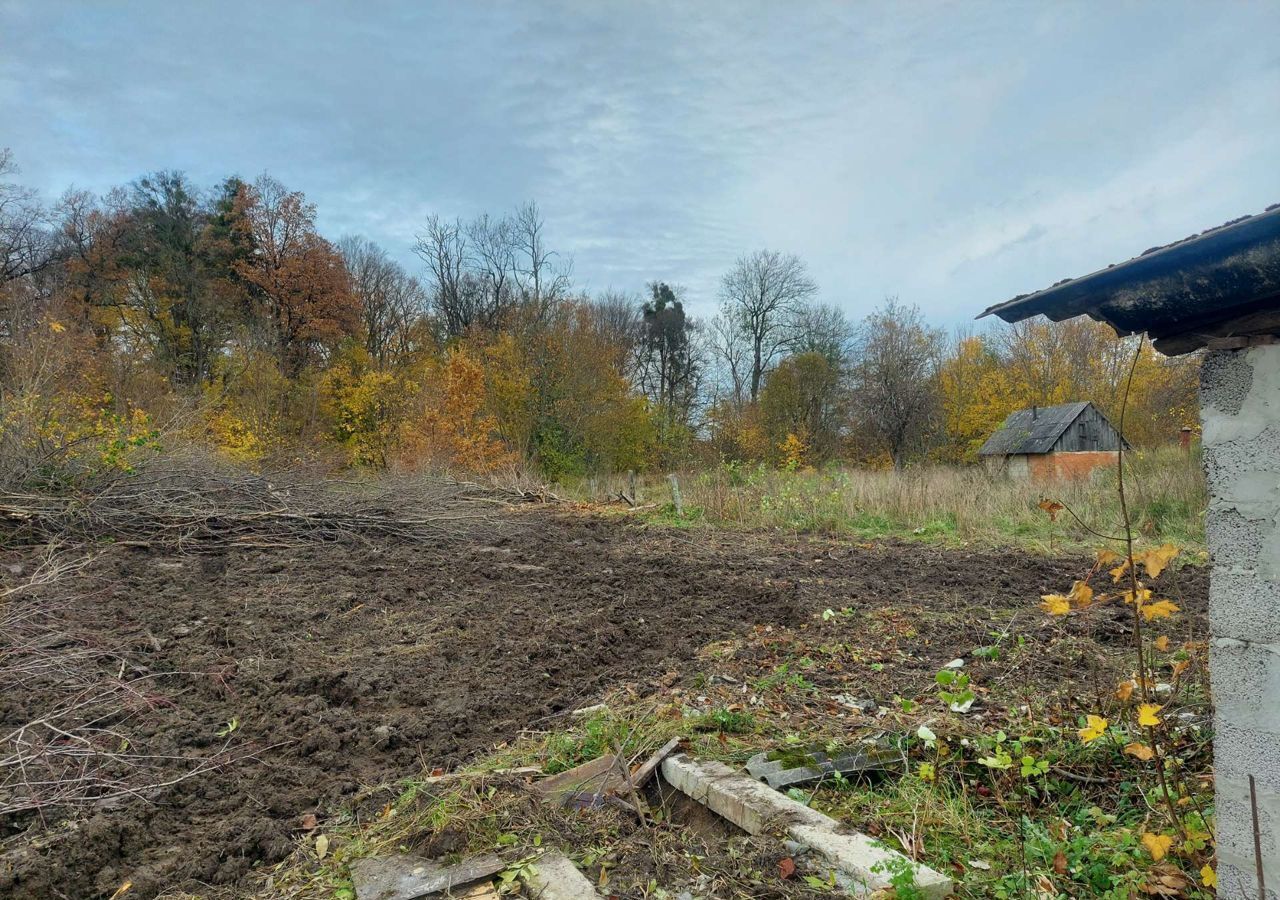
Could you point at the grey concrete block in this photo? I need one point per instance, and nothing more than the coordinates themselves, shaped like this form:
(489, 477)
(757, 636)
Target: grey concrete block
(862, 865)
(1246, 683)
(1244, 605)
(782, 774)
(1257, 453)
(867, 864)
(1235, 883)
(1225, 379)
(752, 806)
(1235, 542)
(554, 877)
(1235, 829)
(1240, 750)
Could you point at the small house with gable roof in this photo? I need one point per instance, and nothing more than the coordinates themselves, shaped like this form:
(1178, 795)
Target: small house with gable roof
(1044, 443)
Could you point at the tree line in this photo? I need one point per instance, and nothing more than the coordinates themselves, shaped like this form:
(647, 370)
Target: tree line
(221, 314)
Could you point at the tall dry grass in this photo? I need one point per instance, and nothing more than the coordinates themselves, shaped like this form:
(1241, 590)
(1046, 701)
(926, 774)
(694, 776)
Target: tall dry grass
(1166, 488)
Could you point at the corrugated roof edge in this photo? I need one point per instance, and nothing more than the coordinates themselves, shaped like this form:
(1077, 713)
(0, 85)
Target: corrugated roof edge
(1145, 255)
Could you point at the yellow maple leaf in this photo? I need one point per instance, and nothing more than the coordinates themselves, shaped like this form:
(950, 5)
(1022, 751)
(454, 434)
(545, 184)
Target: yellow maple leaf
(1081, 593)
(58, 328)
(1055, 604)
(1180, 666)
(1162, 643)
(1155, 561)
(1118, 572)
(1096, 727)
(1161, 609)
(1142, 595)
(1125, 689)
(1208, 877)
(1107, 557)
(1147, 714)
(1157, 844)
(1142, 751)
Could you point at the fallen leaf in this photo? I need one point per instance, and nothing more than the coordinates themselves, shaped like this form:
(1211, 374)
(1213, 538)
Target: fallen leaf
(128, 886)
(1095, 728)
(308, 821)
(322, 846)
(1161, 609)
(786, 868)
(1162, 643)
(1157, 844)
(1055, 604)
(1156, 561)
(1118, 572)
(1142, 751)
(1081, 593)
(1125, 689)
(1147, 715)
(1060, 863)
(1208, 877)
(980, 864)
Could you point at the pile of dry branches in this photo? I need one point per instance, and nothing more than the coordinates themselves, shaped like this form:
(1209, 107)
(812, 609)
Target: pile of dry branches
(64, 728)
(194, 505)
(72, 746)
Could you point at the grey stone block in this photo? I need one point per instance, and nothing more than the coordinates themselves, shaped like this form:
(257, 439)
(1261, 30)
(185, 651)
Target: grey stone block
(1245, 606)
(1240, 750)
(1225, 379)
(554, 877)
(1246, 683)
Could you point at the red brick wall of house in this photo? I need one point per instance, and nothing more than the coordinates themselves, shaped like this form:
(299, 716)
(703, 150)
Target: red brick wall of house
(1064, 465)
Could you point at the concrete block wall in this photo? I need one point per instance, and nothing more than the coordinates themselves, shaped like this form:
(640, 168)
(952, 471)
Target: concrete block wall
(1240, 413)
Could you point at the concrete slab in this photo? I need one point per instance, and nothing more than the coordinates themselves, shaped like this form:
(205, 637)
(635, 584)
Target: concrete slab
(861, 864)
(752, 806)
(817, 764)
(408, 877)
(555, 877)
(866, 864)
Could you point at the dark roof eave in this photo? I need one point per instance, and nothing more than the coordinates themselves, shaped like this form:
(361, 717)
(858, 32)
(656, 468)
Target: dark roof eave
(1171, 290)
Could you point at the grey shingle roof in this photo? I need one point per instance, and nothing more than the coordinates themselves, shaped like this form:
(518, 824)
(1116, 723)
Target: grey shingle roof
(1028, 431)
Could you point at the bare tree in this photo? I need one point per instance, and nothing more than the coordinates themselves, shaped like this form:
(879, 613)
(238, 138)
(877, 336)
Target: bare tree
(616, 317)
(544, 281)
(824, 329)
(392, 301)
(895, 379)
(26, 243)
(759, 297)
(443, 247)
(493, 260)
(730, 347)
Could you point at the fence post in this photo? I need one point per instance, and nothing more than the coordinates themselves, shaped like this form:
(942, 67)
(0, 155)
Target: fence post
(675, 495)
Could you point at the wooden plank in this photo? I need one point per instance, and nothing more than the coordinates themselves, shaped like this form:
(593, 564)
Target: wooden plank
(642, 775)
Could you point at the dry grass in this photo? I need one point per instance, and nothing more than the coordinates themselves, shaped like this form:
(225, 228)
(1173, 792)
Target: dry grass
(946, 503)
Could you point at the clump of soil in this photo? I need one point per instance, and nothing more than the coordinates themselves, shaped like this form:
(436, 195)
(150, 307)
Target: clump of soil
(348, 665)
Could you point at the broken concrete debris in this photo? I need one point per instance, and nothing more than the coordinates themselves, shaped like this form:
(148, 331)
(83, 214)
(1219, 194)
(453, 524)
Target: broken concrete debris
(818, 842)
(789, 767)
(408, 877)
(553, 877)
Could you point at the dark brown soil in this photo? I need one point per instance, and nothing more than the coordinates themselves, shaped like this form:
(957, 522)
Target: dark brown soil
(352, 665)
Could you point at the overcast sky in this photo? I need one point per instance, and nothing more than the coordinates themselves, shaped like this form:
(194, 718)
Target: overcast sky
(951, 154)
